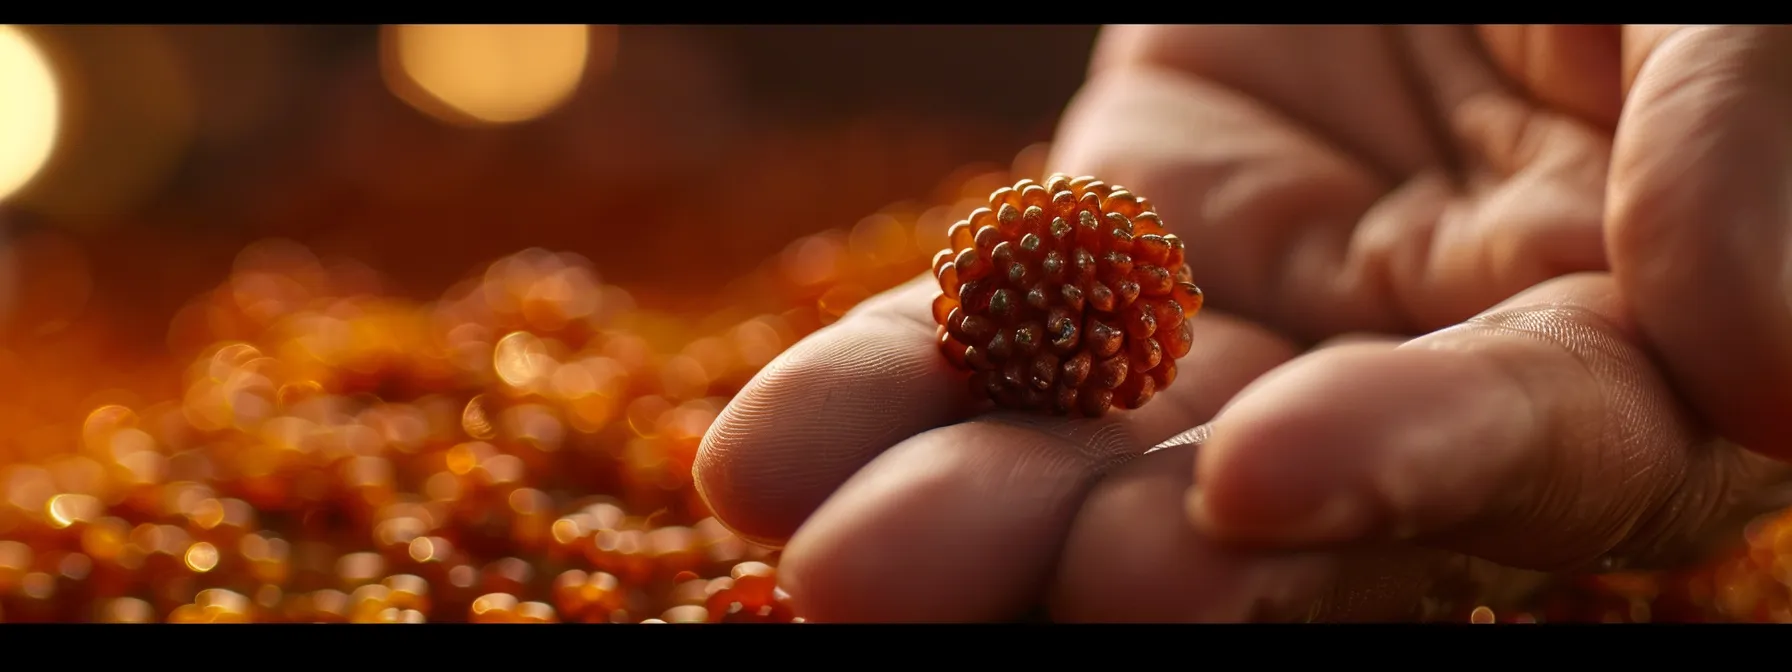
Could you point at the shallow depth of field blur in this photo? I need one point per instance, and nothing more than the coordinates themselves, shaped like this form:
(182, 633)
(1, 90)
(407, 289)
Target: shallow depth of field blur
(422, 323)
(675, 159)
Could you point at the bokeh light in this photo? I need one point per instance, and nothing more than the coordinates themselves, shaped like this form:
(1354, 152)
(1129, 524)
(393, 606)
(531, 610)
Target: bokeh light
(126, 119)
(489, 74)
(29, 118)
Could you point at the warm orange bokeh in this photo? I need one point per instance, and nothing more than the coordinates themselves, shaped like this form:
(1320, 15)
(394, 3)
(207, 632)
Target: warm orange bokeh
(324, 357)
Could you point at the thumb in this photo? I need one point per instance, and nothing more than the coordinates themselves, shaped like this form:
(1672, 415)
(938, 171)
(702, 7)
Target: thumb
(1535, 435)
(1698, 218)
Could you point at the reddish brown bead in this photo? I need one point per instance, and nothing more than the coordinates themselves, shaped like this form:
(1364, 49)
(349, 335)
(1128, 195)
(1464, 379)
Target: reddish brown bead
(1067, 298)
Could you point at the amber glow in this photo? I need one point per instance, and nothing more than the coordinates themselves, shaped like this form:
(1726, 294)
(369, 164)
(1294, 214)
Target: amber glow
(333, 440)
(487, 74)
(29, 117)
(126, 120)
(202, 557)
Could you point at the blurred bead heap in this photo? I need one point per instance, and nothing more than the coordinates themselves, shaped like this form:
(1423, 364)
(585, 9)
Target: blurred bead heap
(518, 451)
(1750, 584)
(366, 459)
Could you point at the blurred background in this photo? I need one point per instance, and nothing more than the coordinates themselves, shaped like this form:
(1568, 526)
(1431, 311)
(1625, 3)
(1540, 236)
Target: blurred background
(137, 162)
(419, 323)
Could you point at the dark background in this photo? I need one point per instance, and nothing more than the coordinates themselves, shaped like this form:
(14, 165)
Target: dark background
(736, 137)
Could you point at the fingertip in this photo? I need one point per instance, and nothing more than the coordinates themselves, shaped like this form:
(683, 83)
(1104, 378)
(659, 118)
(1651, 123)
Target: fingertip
(856, 559)
(724, 476)
(830, 579)
(1121, 566)
(818, 413)
(1281, 450)
(1361, 442)
(837, 567)
(1126, 562)
(709, 475)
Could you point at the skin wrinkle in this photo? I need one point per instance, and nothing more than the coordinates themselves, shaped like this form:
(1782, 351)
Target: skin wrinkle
(1618, 474)
(1455, 64)
(1394, 238)
(1548, 499)
(1734, 482)
(1507, 147)
(1001, 477)
(994, 497)
(1469, 99)
(1055, 470)
(1314, 239)
(1113, 558)
(1402, 484)
(1105, 443)
(1375, 275)
(1617, 402)
(1360, 105)
(1575, 68)
(1278, 276)
(1599, 346)
(1511, 169)
(1455, 69)
(1458, 232)
(1681, 490)
(856, 358)
(1643, 45)
(1238, 178)
(1436, 87)
(1706, 91)
(1114, 440)
(1314, 254)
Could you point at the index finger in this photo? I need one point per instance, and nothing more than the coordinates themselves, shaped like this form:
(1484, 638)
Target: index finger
(825, 408)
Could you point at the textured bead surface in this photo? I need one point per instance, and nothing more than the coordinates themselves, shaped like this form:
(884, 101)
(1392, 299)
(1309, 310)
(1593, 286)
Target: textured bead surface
(1067, 298)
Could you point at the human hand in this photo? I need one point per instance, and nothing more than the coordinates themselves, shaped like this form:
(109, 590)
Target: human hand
(1328, 181)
